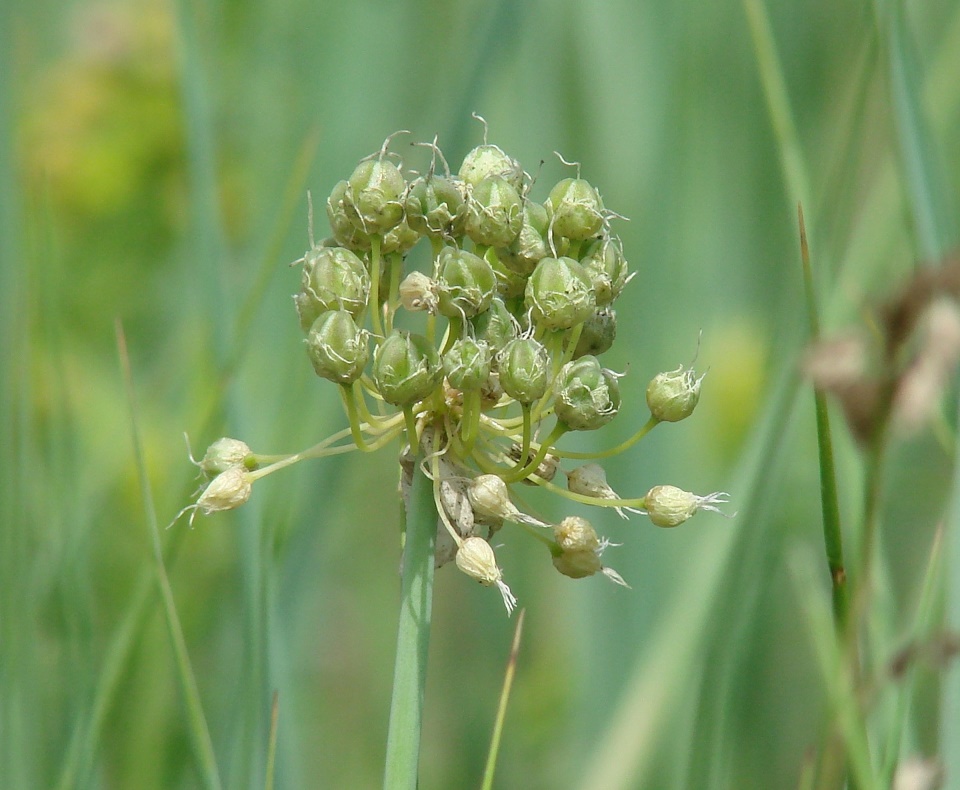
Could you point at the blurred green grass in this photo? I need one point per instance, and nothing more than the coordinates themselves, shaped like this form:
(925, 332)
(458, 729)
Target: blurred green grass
(147, 152)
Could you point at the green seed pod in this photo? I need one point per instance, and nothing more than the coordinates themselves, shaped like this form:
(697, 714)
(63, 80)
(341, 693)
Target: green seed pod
(559, 294)
(495, 325)
(494, 213)
(524, 367)
(406, 368)
(466, 283)
(575, 209)
(341, 218)
(598, 333)
(374, 196)
(436, 207)
(338, 347)
(530, 247)
(333, 278)
(400, 238)
(489, 160)
(510, 284)
(467, 364)
(607, 269)
(586, 396)
(672, 396)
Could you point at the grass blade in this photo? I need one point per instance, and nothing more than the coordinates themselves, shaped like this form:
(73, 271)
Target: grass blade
(502, 707)
(199, 732)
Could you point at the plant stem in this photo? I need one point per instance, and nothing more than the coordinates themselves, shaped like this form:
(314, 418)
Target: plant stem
(829, 499)
(413, 636)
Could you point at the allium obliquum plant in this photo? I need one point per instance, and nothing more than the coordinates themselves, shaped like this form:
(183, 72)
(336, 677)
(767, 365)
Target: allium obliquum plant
(466, 366)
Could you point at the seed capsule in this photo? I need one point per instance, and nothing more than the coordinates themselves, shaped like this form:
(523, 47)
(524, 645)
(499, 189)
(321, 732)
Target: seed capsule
(559, 293)
(576, 534)
(373, 198)
(406, 368)
(598, 333)
(524, 368)
(672, 396)
(333, 278)
(495, 325)
(575, 208)
(530, 247)
(341, 217)
(467, 364)
(489, 160)
(494, 213)
(607, 269)
(338, 347)
(436, 207)
(466, 284)
(586, 396)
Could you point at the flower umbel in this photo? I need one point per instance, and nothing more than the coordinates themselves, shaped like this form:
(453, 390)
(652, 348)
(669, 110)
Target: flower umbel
(482, 359)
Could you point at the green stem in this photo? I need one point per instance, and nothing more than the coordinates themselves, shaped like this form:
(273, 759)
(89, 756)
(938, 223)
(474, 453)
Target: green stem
(502, 707)
(393, 301)
(470, 419)
(527, 430)
(413, 635)
(624, 445)
(520, 471)
(375, 285)
(346, 392)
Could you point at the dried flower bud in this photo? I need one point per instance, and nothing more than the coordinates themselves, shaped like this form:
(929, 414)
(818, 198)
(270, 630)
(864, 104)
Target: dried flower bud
(546, 469)
(591, 480)
(228, 490)
(373, 197)
(524, 368)
(406, 368)
(575, 209)
(225, 453)
(607, 269)
(476, 559)
(418, 292)
(338, 347)
(466, 283)
(672, 396)
(490, 498)
(669, 506)
(490, 160)
(598, 333)
(578, 564)
(586, 396)
(333, 278)
(559, 293)
(436, 207)
(494, 213)
(467, 364)
(576, 534)
(580, 550)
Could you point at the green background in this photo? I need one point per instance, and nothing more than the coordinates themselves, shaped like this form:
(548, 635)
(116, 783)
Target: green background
(154, 160)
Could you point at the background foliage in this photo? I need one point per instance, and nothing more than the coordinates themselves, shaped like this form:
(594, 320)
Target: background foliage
(154, 158)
